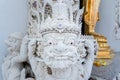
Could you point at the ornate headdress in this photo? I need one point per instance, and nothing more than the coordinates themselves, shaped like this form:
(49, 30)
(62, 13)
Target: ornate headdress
(49, 16)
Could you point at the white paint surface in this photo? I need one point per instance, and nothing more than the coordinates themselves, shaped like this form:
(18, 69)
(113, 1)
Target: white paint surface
(13, 18)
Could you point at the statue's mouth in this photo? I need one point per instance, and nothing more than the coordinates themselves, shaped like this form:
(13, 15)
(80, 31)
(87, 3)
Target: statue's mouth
(62, 58)
(60, 61)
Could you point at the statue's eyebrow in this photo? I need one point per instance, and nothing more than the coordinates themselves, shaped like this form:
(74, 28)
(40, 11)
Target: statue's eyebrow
(47, 38)
(70, 37)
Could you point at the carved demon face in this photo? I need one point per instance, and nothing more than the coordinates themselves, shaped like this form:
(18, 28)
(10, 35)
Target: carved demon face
(60, 50)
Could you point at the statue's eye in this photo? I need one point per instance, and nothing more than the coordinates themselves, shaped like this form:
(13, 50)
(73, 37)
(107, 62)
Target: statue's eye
(50, 42)
(71, 43)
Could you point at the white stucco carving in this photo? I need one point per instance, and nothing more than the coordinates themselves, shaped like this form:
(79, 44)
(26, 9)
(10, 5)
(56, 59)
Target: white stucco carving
(54, 48)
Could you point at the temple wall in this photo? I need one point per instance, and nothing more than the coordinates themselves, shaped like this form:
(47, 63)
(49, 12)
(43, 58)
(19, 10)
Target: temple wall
(106, 24)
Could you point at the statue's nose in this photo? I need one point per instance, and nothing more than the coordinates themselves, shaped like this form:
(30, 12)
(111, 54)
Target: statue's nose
(60, 47)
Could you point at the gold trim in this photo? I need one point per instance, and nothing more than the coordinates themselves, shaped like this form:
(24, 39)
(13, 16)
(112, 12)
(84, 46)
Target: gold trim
(91, 16)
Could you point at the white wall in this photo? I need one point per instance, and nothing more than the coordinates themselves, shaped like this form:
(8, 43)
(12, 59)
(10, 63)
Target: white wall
(106, 24)
(13, 18)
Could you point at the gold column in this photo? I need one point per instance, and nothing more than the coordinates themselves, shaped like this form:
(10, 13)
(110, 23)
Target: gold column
(91, 17)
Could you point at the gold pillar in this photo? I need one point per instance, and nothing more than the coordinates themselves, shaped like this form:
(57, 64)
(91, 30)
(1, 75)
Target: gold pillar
(91, 17)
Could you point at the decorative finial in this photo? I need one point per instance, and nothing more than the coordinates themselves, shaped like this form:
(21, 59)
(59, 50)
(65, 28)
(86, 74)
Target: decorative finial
(58, 14)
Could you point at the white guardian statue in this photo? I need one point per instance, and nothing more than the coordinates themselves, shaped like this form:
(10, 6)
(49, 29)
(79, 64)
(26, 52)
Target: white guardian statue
(54, 48)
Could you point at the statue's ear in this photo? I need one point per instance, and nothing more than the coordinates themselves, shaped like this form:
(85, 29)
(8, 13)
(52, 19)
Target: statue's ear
(38, 51)
(82, 51)
(90, 50)
(39, 48)
(35, 49)
(87, 48)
